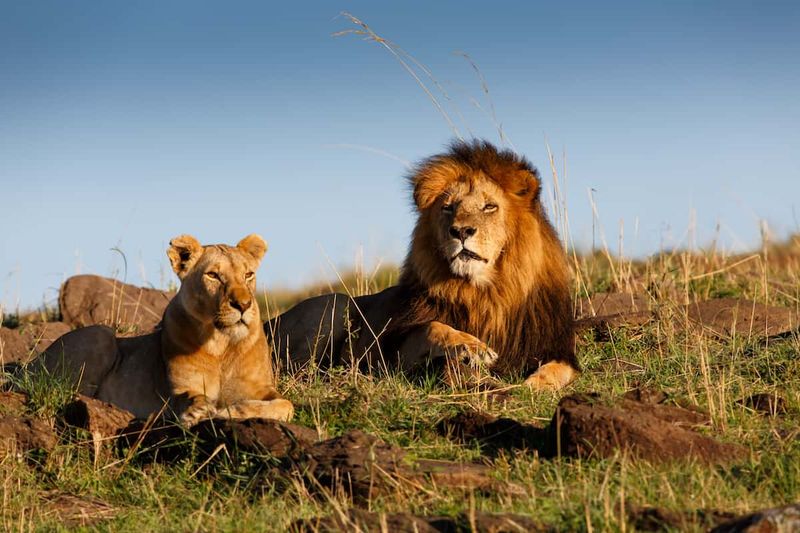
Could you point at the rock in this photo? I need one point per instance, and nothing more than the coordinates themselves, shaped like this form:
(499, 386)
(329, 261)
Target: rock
(768, 404)
(168, 441)
(583, 425)
(24, 434)
(86, 300)
(726, 317)
(617, 309)
(13, 346)
(103, 420)
(777, 520)
(358, 463)
(20, 344)
(359, 520)
(42, 335)
(259, 436)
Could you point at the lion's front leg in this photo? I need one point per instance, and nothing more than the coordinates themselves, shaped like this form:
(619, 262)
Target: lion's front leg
(463, 355)
(553, 376)
(460, 346)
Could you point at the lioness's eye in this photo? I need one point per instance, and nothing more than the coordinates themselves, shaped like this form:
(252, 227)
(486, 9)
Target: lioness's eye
(490, 208)
(213, 275)
(249, 276)
(447, 208)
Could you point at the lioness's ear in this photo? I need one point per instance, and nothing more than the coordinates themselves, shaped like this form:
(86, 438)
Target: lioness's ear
(254, 245)
(431, 179)
(183, 253)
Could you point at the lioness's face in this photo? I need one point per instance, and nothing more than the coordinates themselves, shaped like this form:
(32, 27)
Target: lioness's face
(470, 222)
(218, 282)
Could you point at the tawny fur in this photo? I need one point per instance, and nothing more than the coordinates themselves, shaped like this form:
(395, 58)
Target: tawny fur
(209, 358)
(514, 299)
(525, 313)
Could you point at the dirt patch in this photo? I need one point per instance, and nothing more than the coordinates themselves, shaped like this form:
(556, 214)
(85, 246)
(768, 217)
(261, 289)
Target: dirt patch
(165, 441)
(86, 300)
(23, 434)
(74, 511)
(658, 519)
(356, 519)
(726, 317)
(493, 434)
(584, 425)
(765, 403)
(12, 403)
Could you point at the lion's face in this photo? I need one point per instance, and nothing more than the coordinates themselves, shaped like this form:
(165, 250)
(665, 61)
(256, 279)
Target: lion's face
(218, 282)
(474, 202)
(470, 221)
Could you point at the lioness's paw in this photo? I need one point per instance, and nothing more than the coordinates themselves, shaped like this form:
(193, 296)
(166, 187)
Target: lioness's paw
(278, 409)
(197, 413)
(283, 410)
(551, 376)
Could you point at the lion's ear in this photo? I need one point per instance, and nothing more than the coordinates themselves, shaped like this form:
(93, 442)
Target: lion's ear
(254, 245)
(183, 253)
(529, 184)
(431, 180)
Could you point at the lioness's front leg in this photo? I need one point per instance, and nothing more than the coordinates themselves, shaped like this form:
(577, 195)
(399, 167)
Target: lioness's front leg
(200, 407)
(195, 387)
(436, 339)
(278, 409)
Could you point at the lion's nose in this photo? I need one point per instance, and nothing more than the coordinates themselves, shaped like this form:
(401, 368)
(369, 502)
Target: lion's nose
(241, 304)
(462, 233)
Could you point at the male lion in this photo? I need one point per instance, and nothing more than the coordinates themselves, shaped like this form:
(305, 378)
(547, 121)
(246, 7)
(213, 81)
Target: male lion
(209, 357)
(485, 275)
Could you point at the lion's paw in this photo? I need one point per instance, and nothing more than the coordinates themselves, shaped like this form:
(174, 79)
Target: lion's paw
(482, 356)
(552, 376)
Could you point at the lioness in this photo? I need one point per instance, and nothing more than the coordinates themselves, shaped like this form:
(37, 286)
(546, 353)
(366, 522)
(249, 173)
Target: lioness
(208, 358)
(485, 280)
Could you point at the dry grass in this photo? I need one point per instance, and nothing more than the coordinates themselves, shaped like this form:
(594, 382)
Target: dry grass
(591, 495)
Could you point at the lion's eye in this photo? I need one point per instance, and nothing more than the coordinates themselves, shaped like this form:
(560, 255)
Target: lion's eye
(212, 275)
(447, 208)
(490, 208)
(248, 276)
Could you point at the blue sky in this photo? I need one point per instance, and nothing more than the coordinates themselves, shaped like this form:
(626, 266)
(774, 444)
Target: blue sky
(123, 124)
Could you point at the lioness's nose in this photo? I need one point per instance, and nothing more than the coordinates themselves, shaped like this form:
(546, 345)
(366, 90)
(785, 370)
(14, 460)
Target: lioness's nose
(241, 304)
(462, 232)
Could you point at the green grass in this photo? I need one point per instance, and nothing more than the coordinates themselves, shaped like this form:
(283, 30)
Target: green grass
(237, 493)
